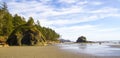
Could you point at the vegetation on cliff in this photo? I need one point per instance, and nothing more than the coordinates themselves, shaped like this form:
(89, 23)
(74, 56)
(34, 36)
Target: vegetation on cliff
(15, 30)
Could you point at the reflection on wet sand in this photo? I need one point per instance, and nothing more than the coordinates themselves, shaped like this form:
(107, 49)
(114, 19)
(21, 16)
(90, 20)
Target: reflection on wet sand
(93, 49)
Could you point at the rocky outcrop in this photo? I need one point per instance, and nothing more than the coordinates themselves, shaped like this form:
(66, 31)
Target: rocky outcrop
(81, 39)
(25, 35)
(63, 40)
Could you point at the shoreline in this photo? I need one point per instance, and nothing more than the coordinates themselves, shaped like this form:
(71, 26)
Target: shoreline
(51, 51)
(115, 46)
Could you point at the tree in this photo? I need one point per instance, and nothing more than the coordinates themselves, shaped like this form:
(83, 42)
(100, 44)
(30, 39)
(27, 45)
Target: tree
(38, 25)
(50, 34)
(8, 25)
(17, 20)
(4, 7)
(3, 12)
(30, 21)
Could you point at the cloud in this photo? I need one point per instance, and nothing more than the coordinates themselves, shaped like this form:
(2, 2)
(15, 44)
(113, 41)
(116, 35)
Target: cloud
(105, 10)
(70, 1)
(97, 3)
(71, 21)
(82, 3)
(63, 22)
(109, 30)
(47, 10)
(41, 10)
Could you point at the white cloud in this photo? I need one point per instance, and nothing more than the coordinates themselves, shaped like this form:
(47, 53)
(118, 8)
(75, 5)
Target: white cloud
(45, 0)
(82, 3)
(95, 15)
(97, 3)
(105, 10)
(109, 30)
(28, 8)
(73, 20)
(41, 10)
(63, 11)
(68, 1)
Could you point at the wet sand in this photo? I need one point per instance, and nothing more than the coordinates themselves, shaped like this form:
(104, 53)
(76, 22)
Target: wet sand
(115, 46)
(41, 52)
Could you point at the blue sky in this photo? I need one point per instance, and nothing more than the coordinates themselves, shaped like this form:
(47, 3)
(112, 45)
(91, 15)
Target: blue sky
(95, 19)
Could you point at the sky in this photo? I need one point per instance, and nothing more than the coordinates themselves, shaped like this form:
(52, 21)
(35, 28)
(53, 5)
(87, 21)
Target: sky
(97, 20)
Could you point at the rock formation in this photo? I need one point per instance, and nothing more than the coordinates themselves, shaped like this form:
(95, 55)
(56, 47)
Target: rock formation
(25, 35)
(81, 39)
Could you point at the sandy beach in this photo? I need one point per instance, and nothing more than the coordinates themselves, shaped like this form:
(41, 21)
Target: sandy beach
(41, 52)
(35, 52)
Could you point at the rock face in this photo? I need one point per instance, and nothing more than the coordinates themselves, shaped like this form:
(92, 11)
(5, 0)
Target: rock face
(81, 39)
(25, 35)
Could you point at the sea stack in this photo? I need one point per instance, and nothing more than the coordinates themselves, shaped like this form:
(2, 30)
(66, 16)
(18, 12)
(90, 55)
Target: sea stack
(81, 39)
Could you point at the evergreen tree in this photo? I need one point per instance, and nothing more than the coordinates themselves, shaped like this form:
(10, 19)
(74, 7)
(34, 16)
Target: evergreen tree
(30, 21)
(7, 24)
(17, 20)
(50, 34)
(2, 14)
(4, 7)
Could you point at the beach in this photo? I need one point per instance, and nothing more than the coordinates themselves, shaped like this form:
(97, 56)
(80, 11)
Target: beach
(51, 51)
(35, 52)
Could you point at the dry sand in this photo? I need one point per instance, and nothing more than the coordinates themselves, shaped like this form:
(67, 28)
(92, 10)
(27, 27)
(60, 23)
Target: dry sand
(40, 52)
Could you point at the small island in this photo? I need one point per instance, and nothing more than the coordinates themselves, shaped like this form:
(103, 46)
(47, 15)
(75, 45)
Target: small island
(81, 39)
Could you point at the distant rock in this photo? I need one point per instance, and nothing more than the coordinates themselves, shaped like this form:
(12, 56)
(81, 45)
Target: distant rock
(81, 39)
(63, 40)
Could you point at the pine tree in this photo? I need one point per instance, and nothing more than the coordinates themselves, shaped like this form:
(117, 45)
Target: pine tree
(17, 20)
(30, 21)
(7, 24)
